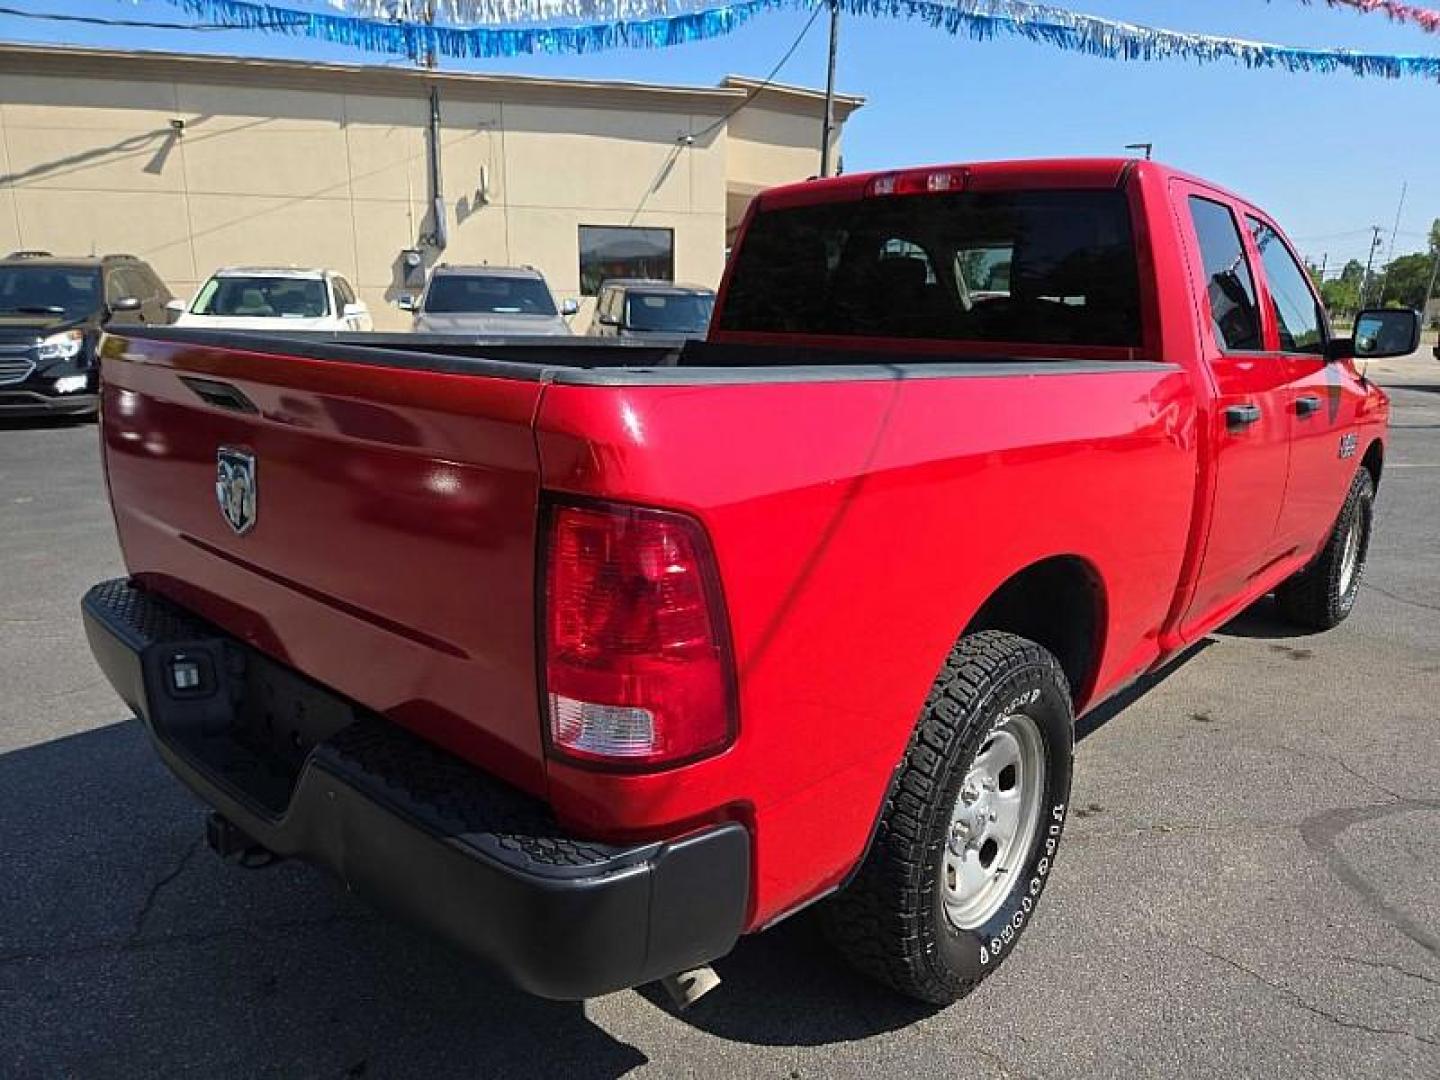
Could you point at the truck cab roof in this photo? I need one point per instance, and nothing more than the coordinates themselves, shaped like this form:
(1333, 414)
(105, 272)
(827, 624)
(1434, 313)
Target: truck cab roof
(1099, 172)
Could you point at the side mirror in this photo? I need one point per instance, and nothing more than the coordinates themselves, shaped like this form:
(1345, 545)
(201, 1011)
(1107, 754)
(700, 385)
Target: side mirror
(175, 307)
(406, 303)
(607, 320)
(1380, 333)
(354, 309)
(126, 303)
(569, 307)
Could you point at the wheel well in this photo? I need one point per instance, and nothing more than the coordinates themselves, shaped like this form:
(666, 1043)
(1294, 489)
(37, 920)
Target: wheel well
(1057, 603)
(1374, 461)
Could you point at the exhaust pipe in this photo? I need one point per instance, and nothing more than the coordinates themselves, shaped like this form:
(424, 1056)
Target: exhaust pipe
(233, 844)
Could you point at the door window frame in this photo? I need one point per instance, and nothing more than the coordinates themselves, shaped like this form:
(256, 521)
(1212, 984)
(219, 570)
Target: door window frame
(1269, 319)
(1201, 279)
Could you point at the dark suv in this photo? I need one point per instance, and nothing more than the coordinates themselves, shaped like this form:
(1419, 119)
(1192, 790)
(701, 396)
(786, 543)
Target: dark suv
(640, 308)
(51, 313)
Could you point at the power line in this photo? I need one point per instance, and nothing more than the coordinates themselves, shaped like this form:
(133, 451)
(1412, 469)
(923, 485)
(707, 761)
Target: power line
(139, 24)
(768, 80)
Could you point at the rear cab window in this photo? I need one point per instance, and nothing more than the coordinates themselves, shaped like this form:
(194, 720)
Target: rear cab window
(1041, 267)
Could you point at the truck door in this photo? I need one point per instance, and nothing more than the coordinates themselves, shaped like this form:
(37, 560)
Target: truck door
(1320, 398)
(1249, 424)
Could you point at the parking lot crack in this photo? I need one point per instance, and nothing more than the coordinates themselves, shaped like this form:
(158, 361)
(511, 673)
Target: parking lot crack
(1341, 764)
(1410, 600)
(156, 889)
(134, 944)
(1384, 965)
(1308, 1006)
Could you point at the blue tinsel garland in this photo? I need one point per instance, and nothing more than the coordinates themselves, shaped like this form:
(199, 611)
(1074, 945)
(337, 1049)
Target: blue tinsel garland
(981, 20)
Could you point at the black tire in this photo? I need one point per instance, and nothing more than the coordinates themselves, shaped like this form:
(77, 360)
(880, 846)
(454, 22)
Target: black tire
(1319, 597)
(891, 922)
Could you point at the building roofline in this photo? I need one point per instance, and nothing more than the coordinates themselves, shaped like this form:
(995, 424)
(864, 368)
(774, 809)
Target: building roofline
(72, 61)
(802, 99)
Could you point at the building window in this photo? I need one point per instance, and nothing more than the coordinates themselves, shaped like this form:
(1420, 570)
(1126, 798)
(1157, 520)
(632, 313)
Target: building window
(616, 252)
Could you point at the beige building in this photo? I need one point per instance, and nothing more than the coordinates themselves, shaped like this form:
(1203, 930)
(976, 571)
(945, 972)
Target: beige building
(194, 163)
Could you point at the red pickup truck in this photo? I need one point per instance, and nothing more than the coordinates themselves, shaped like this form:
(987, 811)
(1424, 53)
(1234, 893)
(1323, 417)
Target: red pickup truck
(593, 656)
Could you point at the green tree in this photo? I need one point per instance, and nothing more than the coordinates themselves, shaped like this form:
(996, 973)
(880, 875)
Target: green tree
(1341, 296)
(1406, 279)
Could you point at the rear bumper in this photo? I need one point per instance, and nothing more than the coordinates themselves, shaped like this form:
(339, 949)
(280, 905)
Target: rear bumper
(411, 827)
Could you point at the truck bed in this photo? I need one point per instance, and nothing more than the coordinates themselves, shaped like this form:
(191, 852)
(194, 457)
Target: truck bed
(591, 361)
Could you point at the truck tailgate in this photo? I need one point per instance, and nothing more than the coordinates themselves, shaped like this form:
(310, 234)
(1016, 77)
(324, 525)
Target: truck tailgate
(392, 549)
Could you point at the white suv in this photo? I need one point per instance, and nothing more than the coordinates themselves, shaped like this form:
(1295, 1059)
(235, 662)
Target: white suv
(274, 298)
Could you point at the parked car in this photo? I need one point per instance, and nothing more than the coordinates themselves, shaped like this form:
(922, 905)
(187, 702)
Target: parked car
(488, 301)
(272, 298)
(639, 307)
(51, 313)
(594, 656)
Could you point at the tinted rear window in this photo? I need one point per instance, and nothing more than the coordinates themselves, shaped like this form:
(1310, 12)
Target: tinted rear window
(1048, 267)
(677, 312)
(486, 294)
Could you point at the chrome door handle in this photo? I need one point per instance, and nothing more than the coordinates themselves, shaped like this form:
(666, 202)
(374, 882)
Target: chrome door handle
(1241, 416)
(1308, 405)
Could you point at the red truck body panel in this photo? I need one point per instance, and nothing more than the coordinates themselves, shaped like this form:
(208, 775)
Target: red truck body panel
(397, 510)
(860, 518)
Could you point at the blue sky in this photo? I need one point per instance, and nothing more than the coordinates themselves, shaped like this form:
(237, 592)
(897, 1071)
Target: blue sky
(1325, 153)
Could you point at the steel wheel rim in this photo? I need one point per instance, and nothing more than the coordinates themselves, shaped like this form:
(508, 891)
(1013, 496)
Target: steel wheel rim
(993, 823)
(1350, 556)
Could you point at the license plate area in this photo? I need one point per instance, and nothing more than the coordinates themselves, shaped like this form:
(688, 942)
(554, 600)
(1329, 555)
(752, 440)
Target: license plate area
(246, 721)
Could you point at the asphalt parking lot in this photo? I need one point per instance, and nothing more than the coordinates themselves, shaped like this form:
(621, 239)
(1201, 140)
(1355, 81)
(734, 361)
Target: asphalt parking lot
(1248, 886)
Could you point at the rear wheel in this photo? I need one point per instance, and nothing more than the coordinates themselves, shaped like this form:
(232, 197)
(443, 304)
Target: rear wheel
(1323, 594)
(969, 833)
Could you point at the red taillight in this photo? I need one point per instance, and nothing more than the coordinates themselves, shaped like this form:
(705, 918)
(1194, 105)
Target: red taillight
(637, 662)
(917, 182)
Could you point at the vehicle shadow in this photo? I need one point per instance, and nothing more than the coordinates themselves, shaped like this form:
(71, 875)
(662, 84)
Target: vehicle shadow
(787, 987)
(1262, 621)
(126, 949)
(1091, 722)
(31, 423)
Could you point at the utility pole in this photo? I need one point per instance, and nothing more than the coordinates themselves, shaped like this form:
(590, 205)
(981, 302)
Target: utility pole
(828, 129)
(1369, 262)
(1430, 289)
(1394, 233)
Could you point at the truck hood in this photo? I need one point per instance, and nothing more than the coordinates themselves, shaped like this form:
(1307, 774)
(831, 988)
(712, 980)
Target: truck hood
(265, 322)
(490, 325)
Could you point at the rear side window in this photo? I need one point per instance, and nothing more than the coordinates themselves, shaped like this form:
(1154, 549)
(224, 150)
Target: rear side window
(1297, 315)
(1045, 267)
(1229, 284)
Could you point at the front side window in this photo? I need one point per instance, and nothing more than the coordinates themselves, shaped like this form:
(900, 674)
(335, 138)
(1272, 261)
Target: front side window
(1041, 267)
(1229, 285)
(261, 297)
(1297, 314)
(488, 294)
(608, 251)
(70, 291)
